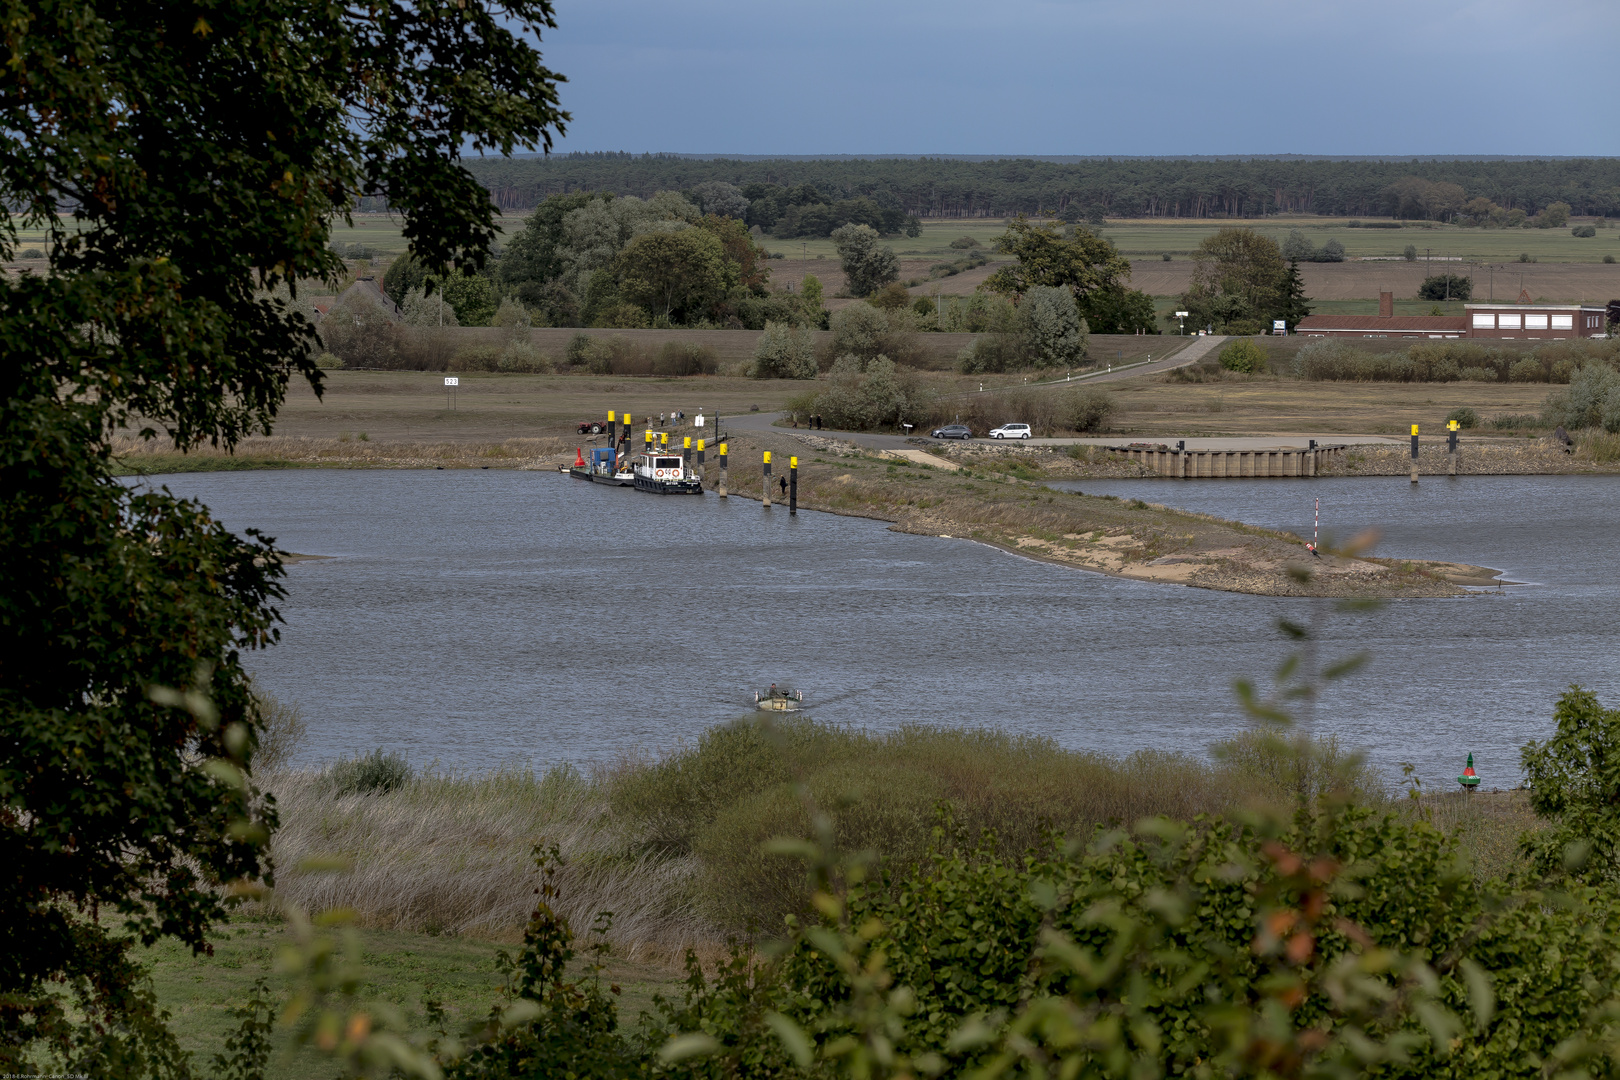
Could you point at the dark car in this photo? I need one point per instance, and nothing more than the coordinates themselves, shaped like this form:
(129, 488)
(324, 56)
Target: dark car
(952, 431)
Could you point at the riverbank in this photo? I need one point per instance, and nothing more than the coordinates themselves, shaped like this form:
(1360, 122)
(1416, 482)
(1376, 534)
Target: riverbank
(1002, 501)
(991, 496)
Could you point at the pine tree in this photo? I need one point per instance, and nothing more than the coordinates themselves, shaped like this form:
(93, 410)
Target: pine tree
(1295, 304)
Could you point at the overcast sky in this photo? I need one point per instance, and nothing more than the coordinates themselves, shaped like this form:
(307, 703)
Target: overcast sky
(1088, 76)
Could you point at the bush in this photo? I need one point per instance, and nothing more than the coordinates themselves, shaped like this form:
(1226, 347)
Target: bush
(1446, 286)
(476, 358)
(682, 358)
(1466, 418)
(1410, 254)
(1608, 258)
(1592, 400)
(1563, 371)
(863, 331)
(1245, 357)
(784, 352)
(1527, 370)
(877, 394)
(376, 773)
(520, 357)
(1584, 231)
(964, 242)
(361, 332)
(31, 253)
(1513, 421)
(1478, 374)
(1088, 410)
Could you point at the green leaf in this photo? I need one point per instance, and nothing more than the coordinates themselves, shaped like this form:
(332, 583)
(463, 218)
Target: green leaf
(685, 1047)
(793, 1038)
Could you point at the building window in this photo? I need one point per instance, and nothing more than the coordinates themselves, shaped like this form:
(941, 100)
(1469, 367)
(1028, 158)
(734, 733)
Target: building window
(1484, 322)
(1535, 322)
(1563, 322)
(1507, 322)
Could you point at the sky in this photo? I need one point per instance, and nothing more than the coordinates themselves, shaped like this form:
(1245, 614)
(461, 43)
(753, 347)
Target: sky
(1125, 77)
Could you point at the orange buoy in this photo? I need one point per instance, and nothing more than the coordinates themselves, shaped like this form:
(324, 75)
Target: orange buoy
(579, 458)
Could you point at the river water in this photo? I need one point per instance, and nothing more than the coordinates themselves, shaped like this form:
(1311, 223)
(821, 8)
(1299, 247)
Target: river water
(476, 618)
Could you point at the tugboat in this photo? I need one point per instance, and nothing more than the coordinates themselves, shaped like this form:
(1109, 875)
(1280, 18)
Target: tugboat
(665, 474)
(778, 699)
(604, 467)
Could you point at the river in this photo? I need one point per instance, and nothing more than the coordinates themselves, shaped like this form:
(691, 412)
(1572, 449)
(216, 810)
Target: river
(474, 618)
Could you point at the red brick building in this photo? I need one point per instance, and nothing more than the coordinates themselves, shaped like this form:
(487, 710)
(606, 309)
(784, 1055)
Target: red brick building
(1534, 322)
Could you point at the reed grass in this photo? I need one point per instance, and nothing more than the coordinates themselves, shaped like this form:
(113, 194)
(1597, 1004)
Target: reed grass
(452, 853)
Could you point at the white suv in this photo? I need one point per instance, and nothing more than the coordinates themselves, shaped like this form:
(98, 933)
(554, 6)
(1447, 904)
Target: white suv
(1011, 431)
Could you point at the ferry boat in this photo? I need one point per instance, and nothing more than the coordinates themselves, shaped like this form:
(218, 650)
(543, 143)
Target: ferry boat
(778, 699)
(665, 474)
(604, 467)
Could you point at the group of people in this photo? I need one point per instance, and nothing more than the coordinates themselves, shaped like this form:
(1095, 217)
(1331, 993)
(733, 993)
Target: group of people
(813, 420)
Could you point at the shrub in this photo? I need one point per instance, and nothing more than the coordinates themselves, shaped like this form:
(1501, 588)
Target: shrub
(1592, 400)
(964, 242)
(1165, 256)
(683, 358)
(376, 773)
(784, 352)
(1466, 418)
(1478, 374)
(361, 332)
(31, 253)
(1563, 371)
(891, 296)
(476, 358)
(1245, 357)
(520, 357)
(1527, 370)
(1446, 287)
(1524, 256)
(1608, 258)
(1088, 409)
(1410, 254)
(1584, 231)
(1512, 421)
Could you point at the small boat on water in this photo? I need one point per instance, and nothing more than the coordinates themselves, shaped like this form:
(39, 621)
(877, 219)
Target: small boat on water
(778, 699)
(665, 474)
(604, 467)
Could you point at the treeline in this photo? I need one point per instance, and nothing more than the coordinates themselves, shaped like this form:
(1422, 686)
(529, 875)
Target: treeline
(934, 187)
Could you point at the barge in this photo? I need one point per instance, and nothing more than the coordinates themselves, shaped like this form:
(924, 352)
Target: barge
(778, 699)
(604, 467)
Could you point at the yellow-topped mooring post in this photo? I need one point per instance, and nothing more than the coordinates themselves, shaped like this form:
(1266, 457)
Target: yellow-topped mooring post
(624, 431)
(1451, 447)
(1414, 453)
(613, 428)
(700, 455)
(793, 486)
(663, 440)
(649, 440)
(686, 452)
(722, 470)
(767, 479)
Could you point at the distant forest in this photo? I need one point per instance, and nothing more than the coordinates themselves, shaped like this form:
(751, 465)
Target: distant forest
(938, 187)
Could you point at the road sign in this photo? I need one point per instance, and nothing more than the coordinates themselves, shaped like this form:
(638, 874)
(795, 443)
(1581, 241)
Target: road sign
(452, 381)
(1181, 314)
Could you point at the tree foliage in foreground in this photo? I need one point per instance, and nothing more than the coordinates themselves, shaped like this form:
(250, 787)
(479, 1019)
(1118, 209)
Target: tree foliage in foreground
(185, 162)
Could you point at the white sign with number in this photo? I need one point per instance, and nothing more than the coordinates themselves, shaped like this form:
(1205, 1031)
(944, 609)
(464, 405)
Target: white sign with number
(452, 381)
(699, 421)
